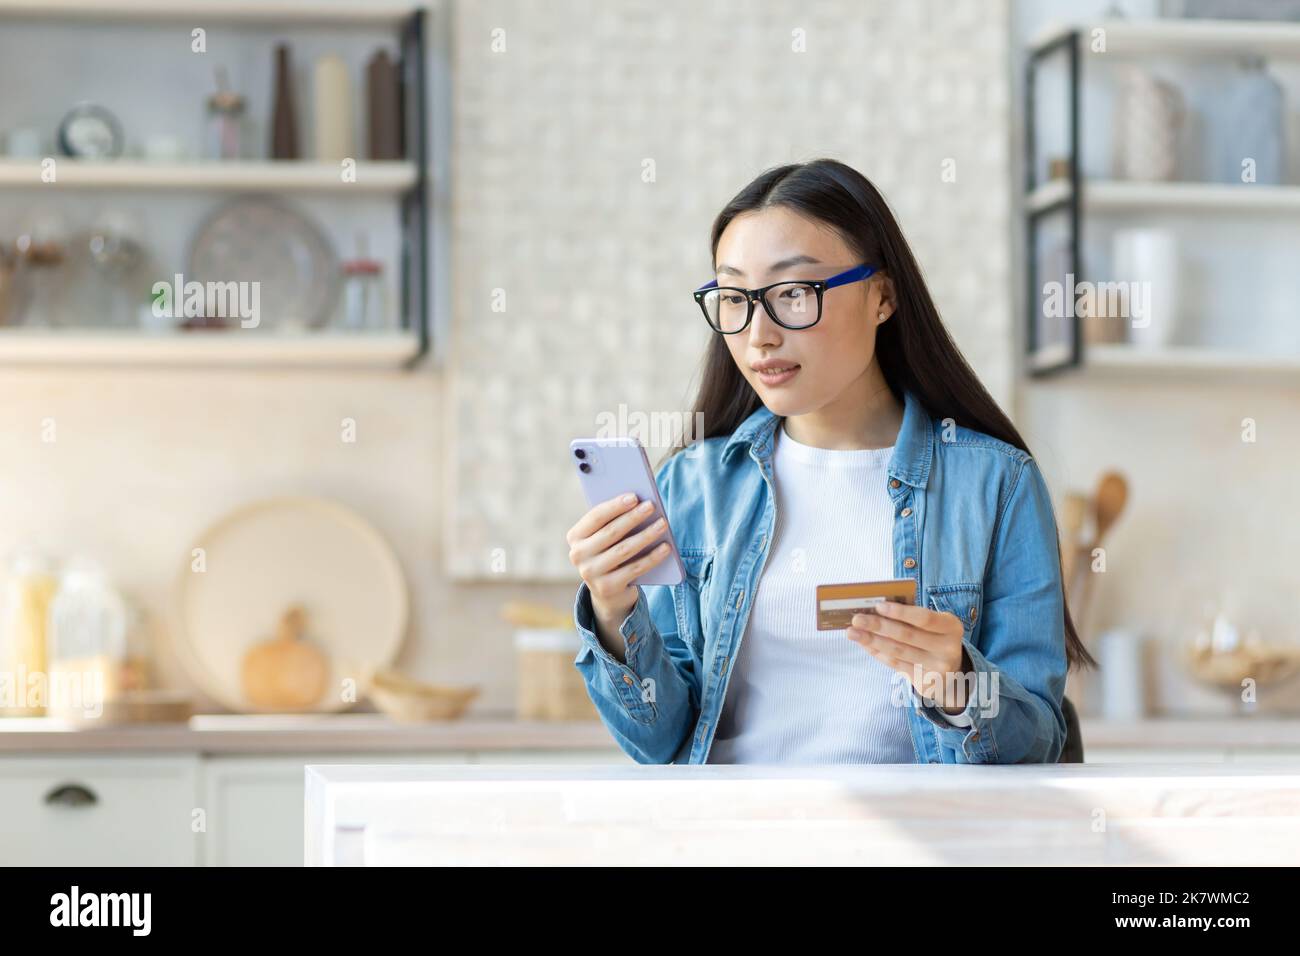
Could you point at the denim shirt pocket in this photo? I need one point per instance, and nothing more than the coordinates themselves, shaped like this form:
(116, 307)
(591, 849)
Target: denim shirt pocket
(965, 601)
(690, 596)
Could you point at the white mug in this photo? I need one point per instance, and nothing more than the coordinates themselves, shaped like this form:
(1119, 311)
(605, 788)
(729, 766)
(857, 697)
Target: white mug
(1146, 261)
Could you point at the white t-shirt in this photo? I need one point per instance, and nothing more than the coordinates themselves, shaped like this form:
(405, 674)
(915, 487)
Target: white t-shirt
(797, 694)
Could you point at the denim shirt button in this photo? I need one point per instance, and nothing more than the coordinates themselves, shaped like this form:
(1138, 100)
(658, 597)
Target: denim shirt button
(626, 679)
(894, 483)
(909, 563)
(905, 513)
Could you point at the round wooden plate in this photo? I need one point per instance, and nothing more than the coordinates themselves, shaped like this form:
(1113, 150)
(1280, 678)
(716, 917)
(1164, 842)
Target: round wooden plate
(269, 555)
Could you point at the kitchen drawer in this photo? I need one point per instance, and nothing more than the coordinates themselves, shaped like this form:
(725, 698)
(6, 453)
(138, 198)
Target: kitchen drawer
(97, 810)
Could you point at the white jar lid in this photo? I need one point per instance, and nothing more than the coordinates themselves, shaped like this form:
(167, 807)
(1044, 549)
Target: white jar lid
(547, 639)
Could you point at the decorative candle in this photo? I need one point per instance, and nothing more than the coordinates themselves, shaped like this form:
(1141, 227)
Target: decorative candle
(333, 109)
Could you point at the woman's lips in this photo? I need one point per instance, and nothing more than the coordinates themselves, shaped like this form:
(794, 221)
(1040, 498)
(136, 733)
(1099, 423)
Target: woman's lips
(775, 377)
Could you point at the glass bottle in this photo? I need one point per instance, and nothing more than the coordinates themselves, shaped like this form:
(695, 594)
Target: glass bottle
(363, 304)
(24, 608)
(1252, 139)
(226, 122)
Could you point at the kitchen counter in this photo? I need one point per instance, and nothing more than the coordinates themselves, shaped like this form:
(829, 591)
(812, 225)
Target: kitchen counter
(924, 815)
(354, 733)
(300, 733)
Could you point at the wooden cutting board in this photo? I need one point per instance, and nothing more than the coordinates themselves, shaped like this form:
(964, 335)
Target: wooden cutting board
(266, 557)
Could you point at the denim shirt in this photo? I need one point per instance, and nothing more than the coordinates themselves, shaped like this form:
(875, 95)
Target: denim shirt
(973, 527)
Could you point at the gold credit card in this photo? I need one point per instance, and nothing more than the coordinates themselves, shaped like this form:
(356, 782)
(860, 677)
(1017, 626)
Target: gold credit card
(837, 603)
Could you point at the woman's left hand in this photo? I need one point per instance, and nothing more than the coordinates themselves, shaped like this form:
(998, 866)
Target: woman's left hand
(923, 645)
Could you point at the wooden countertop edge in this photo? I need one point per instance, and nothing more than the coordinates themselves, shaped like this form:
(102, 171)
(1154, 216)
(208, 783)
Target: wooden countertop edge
(349, 733)
(373, 733)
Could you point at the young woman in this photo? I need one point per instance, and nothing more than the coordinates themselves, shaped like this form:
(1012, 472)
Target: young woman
(846, 440)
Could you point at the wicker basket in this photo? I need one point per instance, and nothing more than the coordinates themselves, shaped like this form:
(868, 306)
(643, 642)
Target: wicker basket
(549, 685)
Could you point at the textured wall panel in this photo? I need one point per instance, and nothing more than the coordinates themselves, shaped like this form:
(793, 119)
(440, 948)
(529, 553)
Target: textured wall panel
(595, 265)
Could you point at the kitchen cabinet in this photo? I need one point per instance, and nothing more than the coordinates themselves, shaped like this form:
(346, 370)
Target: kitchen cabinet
(98, 810)
(226, 790)
(256, 803)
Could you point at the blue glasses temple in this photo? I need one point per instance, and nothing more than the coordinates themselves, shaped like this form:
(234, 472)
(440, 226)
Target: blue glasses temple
(850, 275)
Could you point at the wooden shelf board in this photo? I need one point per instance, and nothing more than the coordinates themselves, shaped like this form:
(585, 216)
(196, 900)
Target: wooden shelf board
(1114, 195)
(19, 346)
(280, 176)
(343, 12)
(1184, 358)
(1180, 37)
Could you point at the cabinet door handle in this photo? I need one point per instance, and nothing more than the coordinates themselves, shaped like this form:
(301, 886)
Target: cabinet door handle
(71, 795)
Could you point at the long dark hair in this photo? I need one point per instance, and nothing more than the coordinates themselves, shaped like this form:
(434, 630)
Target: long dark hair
(914, 350)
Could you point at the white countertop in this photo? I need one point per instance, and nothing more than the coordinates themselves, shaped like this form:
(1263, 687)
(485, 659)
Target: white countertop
(359, 733)
(1076, 814)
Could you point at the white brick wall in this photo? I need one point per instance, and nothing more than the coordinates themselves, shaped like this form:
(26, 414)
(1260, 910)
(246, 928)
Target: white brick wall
(596, 265)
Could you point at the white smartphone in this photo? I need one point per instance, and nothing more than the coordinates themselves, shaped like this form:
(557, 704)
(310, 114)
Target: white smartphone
(609, 467)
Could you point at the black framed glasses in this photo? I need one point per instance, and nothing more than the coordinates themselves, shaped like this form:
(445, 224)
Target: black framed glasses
(793, 304)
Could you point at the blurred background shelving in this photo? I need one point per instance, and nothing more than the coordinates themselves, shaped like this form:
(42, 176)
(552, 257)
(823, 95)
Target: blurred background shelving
(153, 73)
(1212, 253)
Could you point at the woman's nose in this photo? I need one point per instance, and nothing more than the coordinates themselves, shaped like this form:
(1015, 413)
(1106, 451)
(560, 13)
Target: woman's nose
(763, 332)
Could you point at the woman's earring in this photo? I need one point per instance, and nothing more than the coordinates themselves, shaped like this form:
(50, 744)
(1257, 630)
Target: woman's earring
(882, 317)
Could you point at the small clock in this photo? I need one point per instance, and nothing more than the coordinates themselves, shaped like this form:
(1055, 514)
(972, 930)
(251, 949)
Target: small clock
(90, 132)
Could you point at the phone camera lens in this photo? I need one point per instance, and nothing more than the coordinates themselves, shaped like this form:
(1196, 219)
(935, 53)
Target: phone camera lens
(579, 453)
(584, 467)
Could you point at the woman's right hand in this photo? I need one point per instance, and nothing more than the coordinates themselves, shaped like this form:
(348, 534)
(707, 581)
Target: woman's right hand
(600, 544)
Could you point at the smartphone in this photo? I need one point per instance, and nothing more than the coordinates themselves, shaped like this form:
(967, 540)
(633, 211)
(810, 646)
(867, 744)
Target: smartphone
(609, 467)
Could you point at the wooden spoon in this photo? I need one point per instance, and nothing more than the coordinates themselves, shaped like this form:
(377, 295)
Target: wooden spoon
(1112, 495)
(1073, 510)
(1107, 504)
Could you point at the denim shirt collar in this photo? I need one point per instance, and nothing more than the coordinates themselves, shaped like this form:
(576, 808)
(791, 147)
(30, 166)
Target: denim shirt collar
(913, 449)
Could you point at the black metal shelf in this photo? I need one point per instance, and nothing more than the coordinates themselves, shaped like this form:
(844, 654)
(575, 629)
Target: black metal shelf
(1047, 358)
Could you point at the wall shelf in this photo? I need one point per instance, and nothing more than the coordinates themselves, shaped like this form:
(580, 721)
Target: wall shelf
(372, 178)
(342, 12)
(1113, 195)
(1183, 359)
(208, 348)
(1056, 209)
(404, 184)
(1179, 37)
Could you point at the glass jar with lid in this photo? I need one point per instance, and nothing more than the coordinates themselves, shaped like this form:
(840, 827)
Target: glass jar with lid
(87, 642)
